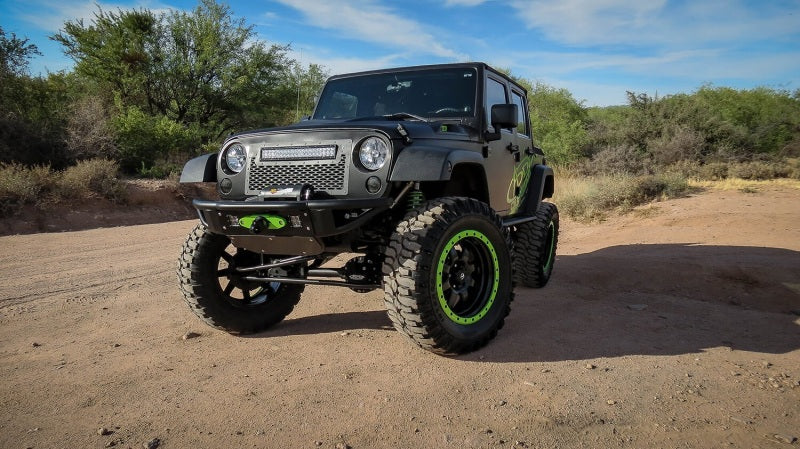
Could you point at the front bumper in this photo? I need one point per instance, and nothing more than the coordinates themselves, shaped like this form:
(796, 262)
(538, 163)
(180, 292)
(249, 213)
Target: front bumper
(307, 222)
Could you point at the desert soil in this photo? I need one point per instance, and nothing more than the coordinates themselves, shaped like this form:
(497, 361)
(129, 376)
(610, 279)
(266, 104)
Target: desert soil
(675, 326)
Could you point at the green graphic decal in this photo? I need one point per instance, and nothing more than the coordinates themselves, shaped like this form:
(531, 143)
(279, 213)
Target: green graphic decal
(551, 243)
(273, 221)
(494, 272)
(519, 180)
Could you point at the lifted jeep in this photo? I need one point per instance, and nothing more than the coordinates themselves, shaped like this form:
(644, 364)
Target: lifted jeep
(427, 173)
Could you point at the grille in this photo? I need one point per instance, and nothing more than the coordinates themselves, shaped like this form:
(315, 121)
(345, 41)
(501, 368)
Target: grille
(330, 176)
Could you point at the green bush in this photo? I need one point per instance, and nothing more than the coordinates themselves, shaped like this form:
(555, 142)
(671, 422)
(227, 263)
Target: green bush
(143, 139)
(161, 170)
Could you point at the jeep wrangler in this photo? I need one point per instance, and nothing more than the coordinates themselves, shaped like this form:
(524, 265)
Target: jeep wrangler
(428, 175)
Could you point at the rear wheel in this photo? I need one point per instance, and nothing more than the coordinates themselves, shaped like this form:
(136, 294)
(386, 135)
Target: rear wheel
(447, 275)
(218, 293)
(535, 245)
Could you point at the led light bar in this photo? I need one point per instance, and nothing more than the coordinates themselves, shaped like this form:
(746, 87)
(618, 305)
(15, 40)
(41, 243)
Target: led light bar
(305, 153)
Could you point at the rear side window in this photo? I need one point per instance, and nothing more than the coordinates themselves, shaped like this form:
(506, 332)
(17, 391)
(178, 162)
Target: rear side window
(495, 94)
(522, 124)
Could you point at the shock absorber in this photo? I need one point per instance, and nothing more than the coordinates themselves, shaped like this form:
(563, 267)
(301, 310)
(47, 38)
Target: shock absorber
(415, 198)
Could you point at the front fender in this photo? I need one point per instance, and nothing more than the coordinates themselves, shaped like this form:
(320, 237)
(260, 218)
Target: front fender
(427, 163)
(200, 169)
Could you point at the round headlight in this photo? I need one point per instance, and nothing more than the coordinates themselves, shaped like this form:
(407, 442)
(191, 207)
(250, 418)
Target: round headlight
(373, 153)
(235, 157)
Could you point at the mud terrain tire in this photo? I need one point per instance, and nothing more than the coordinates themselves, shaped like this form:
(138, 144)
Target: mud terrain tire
(216, 294)
(448, 280)
(535, 245)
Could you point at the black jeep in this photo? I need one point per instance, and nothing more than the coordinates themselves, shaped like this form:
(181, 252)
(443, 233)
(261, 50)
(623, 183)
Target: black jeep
(428, 174)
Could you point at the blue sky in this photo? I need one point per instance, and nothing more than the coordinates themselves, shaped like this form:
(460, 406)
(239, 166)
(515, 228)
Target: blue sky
(598, 49)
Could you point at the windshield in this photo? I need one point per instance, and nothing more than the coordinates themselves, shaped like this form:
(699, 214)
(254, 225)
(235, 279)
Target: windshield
(425, 93)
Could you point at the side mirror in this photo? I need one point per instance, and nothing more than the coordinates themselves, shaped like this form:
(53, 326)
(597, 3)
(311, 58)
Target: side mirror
(504, 116)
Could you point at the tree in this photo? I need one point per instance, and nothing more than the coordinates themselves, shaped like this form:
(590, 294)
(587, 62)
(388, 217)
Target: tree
(202, 72)
(14, 54)
(559, 123)
(31, 108)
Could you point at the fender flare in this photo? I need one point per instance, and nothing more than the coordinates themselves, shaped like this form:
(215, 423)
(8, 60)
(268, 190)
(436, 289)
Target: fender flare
(541, 186)
(200, 169)
(422, 163)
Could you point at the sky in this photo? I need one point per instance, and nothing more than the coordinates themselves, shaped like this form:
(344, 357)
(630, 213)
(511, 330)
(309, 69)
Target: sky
(597, 49)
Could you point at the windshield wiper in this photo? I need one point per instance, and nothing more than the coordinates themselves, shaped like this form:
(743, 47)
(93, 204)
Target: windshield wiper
(405, 115)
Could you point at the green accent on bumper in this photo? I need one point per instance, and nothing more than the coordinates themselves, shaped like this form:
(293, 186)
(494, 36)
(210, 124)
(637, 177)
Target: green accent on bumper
(466, 320)
(273, 221)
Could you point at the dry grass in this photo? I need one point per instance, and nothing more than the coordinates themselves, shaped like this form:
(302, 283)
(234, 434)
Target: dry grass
(593, 198)
(40, 185)
(745, 185)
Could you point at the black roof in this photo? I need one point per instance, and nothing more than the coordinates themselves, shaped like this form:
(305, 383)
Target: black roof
(480, 66)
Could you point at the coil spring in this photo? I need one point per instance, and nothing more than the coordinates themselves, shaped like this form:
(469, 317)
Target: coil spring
(415, 199)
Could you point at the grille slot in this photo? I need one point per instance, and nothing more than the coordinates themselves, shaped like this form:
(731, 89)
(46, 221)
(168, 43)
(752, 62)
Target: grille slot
(329, 176)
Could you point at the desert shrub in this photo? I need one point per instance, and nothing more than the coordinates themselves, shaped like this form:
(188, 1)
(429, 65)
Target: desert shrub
(161, 170)
(591, 199)
(759, 170)
(681, 143)
(794, 168)
(93, 176)
(88, 131)
(711, 171)
(20, 185)
(618, 160)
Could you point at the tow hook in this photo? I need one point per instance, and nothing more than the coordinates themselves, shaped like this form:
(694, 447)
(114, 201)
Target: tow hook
(259, 224)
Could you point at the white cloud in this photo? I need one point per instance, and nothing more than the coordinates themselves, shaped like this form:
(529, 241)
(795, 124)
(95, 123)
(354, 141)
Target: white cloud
(57, 13)
(368, 21)
(336, 65)
(463, 2)
(610, 22)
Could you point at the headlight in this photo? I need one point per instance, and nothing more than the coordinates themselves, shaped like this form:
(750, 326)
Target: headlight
(234, 158)
(373, 153)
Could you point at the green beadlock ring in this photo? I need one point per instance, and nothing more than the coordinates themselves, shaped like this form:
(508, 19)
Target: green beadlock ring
(465, 320)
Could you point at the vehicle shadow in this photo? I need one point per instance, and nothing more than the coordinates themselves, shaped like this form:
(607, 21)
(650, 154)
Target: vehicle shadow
(330, 323)
(633, 300)
(655, 300)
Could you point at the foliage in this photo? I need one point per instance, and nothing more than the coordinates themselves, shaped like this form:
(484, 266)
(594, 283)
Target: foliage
(180, 81)
(20, 185)
(144, 138)
(89, 133)
(88, 177)
(558, 122)
(14, 54)
(710, 125)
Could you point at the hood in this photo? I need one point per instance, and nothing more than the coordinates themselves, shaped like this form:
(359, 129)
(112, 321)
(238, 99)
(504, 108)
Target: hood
(448, 129)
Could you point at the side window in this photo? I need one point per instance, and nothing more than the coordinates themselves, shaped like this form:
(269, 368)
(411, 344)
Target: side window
(522, 125)
(495, 94)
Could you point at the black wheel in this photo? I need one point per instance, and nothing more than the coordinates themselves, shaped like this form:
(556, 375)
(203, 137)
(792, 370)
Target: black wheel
(535, 245)
(448, 275)
(216, 292)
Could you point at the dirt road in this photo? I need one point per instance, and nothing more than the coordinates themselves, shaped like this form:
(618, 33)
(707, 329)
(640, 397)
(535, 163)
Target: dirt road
(673, 327)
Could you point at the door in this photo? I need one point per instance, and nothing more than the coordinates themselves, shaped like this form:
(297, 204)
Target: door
(525, 156)
(500, 162)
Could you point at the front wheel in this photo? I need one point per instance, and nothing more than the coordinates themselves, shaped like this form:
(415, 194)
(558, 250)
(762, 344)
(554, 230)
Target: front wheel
(217, 293)
(448, 276)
